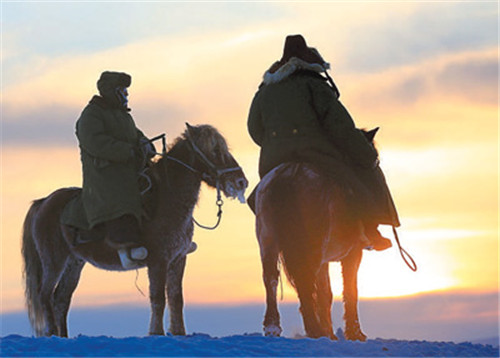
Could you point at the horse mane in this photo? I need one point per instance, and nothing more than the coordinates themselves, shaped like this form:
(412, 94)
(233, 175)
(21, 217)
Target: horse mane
(207, 138)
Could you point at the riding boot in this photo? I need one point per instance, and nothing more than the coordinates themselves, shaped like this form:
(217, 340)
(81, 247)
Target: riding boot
(377, 241)
(123, 234)
(131, 258)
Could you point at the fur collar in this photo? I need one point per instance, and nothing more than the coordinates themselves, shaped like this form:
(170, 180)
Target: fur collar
(290, 67)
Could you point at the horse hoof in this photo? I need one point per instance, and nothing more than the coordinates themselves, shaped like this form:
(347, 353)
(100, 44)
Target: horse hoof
(272, 331)
(356, 336)
(160, 333)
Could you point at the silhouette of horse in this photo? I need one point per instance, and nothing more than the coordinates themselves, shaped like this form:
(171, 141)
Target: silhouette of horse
(302, 220)
(53, 262)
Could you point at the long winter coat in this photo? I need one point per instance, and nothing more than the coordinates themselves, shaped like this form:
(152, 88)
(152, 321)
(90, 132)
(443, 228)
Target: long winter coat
(296, 116)
(109, 148)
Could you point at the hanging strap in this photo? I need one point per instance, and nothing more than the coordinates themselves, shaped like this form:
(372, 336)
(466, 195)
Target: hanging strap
(410, 262)
(219, 204)
(334, 86)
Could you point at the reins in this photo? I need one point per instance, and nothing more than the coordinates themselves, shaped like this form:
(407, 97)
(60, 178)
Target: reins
(409, 261)
(218, 173)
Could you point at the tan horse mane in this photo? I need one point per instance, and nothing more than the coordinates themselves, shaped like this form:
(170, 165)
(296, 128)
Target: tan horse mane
(208, 139)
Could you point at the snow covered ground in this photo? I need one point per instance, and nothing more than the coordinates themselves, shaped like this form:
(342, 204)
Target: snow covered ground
(254, 345)
(435, 325)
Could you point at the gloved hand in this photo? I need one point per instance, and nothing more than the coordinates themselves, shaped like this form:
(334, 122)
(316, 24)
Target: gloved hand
(148, 149)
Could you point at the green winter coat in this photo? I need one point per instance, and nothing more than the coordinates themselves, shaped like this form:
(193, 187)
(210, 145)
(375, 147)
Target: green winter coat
(109, 149)
(296, 116)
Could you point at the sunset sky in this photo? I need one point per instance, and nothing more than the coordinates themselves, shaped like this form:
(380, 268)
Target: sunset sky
(425, 72)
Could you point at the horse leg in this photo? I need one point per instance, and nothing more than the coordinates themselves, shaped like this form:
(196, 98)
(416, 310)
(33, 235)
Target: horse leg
(270, 275)
(175, 297)
(325, 300)
(64, 291)
(350, 266)
(50, 278)
(53, 260)
(308, 308)
(157, 273)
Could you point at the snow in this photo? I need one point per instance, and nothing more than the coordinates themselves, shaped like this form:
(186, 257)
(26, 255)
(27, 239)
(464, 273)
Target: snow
(248, 345)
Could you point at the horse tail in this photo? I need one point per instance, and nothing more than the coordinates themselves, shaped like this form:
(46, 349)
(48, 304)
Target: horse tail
(298, 262)
(32, 271)
(299, 246)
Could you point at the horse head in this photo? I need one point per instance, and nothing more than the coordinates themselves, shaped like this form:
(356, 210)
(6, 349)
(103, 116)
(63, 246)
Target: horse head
(218, 167)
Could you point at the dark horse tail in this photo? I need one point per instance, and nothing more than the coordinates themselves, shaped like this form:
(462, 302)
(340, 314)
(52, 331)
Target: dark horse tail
(32, 272)
(299, 253)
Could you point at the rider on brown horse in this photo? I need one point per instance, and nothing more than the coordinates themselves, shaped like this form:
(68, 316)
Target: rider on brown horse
(296, 117)
(113, 151)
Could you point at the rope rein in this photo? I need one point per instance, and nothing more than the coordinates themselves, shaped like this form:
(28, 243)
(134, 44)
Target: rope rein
(409, 261)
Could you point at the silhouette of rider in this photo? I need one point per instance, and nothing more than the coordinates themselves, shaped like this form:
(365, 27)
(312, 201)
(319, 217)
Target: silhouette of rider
(296, 116)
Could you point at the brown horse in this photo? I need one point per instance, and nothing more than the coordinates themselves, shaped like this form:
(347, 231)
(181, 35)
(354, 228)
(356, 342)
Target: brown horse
(302, 220)
(53, 261)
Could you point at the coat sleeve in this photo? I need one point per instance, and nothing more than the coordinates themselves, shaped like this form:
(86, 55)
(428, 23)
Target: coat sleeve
(254, 124)
(340, 127)
(93, 139)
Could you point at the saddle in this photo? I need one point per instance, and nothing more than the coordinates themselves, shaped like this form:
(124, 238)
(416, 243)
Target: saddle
(74, 217)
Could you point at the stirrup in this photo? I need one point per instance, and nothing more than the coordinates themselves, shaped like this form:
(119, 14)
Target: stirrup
(130, 258)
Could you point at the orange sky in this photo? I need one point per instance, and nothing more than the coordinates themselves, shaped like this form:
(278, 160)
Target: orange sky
(419, 71)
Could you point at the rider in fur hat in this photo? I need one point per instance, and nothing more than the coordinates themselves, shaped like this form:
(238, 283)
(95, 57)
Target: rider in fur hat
(296, 116)
(113, 151)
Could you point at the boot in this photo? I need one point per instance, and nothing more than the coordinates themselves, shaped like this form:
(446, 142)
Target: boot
(123, 235)
(132, 257)
(378, 242)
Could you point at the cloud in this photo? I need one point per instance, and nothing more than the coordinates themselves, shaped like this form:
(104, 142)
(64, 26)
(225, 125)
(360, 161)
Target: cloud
(450, 100)
(428, 30)
(187, 79)
(82, 28)
(188, 70)
(473, 80)
(466, 76)
(49, 125)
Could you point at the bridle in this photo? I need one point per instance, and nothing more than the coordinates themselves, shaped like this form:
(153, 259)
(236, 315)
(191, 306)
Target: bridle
(213, 173)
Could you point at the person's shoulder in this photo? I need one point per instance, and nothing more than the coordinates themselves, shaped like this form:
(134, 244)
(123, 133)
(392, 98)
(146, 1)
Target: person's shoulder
(95, 107)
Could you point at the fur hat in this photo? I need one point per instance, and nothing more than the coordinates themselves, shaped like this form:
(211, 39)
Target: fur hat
(108, 84)
(296, 46)
(297, 55)
(109, 81)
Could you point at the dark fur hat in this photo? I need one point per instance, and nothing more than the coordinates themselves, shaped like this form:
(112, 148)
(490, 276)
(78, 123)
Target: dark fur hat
(110, 80)
(295, 46)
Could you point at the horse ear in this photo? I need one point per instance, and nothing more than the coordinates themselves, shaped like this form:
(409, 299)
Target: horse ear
(190, 128)
(371, 134)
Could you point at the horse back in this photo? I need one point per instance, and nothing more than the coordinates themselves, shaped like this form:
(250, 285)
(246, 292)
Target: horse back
(305, 211)
(44, 216)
